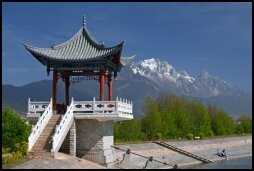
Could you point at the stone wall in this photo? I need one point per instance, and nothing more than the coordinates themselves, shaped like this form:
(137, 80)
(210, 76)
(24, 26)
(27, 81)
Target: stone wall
(65, 147)
(94, 139)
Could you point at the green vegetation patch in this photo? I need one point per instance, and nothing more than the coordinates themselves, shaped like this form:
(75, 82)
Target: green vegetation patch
(15, 132)
(174, 117)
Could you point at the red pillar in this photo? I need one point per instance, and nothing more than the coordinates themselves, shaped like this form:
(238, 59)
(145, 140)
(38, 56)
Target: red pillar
(110, 96)
(54, 89)
(102, 78)
(67, 86)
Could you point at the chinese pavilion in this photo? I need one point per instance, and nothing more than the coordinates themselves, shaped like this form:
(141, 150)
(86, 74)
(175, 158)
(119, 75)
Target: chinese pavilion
(86, 128)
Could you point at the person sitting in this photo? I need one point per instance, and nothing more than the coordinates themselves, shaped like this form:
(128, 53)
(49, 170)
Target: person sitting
(223, 153)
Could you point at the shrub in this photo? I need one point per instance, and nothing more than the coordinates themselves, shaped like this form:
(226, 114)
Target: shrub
(15, 132)
(201, 135)
(158, 136)
(12, 160)
(14, 129)
(210, 133)
(5, 150)
(189, 136)
(21, 147)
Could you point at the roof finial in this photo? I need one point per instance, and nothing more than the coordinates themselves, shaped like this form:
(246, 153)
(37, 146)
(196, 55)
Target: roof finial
(84, 20)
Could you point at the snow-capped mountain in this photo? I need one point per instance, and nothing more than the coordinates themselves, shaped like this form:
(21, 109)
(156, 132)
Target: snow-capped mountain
(155, 70)
(150, 77)
(166, 77)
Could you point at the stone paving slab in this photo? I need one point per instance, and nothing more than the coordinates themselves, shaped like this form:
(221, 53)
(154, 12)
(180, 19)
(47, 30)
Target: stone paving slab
(61, 161)
(235, 146)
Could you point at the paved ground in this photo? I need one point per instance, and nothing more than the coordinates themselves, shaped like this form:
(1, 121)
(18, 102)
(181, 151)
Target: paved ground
(61, 161)
(235, 146)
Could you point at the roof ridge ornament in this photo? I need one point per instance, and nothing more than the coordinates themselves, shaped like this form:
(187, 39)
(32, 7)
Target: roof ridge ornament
(53, 46)
(84, 20)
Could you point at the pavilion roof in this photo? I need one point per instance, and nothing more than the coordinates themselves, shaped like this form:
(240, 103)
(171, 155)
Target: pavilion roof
(81, 48)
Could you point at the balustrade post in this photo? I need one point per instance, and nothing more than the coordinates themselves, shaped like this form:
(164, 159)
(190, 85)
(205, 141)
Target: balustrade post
(117, 105)
(29, 105)
(93, 104)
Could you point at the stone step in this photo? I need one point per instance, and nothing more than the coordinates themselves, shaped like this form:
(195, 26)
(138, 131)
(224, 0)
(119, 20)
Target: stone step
(41, 139)
(47, 133)
(51, 124)
(41, 149)
(38, 146)
(43, 142)
(41, 146)
(54, 119)
(39, 154)
(48, 129)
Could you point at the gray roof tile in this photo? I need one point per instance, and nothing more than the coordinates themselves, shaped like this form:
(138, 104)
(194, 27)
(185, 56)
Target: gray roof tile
(80, 47)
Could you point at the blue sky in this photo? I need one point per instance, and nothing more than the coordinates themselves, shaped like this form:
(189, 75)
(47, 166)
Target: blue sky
(196, 37)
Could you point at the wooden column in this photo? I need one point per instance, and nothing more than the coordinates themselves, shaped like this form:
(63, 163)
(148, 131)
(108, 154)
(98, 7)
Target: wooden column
(102, 78)
(54, 89)
(67, 90)
(110, 96)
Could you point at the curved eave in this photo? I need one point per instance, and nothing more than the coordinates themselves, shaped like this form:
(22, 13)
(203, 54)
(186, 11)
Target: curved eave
(42, 57)
(126, 60)
(81, 47)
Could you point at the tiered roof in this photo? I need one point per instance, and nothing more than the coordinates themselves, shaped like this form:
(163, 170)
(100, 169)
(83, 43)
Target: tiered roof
(81, 51)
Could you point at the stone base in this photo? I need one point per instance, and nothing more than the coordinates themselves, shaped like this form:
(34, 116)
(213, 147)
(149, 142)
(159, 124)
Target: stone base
(94, 140)
(103, 157)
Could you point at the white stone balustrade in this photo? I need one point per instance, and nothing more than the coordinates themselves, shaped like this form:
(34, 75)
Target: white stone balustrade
(63, 128)
(35, 109)
(120, 107)
(108, 110)
(40, 125)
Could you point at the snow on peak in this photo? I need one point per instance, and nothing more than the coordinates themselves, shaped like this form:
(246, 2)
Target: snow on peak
(155, 69)
(205, 74)
(187, 77)
(162, 73)
(149, 63)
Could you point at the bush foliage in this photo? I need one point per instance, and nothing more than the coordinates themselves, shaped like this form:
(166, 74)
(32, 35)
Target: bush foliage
(14, 129)
(15, 132)
(173, 117)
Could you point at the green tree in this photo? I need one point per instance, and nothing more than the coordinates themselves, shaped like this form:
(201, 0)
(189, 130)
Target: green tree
(201, 120)
(129, 130)
(221, 122)
(152, 121)
(244, 124)
(14, 129)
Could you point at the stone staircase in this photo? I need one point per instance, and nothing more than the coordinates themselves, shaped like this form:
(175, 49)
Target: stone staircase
(43, 144)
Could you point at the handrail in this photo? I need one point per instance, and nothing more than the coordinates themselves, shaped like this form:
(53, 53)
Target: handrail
(63, 128)
(204, 160)
(40, 125)
(120, 106)
(36, 108)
